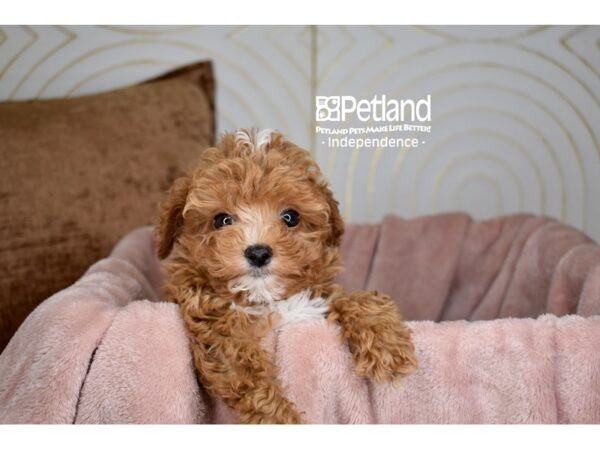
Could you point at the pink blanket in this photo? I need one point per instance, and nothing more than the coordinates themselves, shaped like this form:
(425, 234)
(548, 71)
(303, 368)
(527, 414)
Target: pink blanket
(105, 350)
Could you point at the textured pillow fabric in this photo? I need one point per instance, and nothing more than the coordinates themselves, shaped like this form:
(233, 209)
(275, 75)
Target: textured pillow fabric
(77, 174)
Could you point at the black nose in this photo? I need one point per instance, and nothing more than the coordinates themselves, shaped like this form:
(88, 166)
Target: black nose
(258, 255)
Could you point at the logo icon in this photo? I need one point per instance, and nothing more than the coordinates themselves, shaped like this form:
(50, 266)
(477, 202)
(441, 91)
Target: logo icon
(328, 109)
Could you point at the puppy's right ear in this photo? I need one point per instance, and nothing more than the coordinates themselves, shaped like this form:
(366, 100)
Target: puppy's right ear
(171, 217)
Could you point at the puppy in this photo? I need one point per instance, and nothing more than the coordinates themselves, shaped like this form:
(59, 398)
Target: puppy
(252, 236)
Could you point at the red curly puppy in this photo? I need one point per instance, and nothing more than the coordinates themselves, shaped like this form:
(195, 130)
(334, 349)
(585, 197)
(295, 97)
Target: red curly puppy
(253, 236)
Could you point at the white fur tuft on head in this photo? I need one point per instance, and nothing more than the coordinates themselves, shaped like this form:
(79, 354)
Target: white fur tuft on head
(253, 138)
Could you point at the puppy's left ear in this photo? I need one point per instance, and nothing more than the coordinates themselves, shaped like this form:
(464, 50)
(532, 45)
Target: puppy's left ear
(335, 220)
(171, 217)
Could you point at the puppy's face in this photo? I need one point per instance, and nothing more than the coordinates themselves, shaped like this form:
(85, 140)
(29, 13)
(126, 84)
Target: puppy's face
(255, 219)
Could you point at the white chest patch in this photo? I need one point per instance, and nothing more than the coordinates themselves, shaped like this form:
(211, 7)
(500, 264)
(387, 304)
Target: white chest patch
(297, 308)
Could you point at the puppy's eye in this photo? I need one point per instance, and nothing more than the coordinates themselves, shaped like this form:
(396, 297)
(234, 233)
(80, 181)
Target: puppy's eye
(222, 220)
(290, 217)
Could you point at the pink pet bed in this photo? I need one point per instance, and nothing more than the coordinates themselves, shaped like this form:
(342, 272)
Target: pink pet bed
(504, 314)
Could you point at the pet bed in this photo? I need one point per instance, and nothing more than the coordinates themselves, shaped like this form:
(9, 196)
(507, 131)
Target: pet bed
(504, 314)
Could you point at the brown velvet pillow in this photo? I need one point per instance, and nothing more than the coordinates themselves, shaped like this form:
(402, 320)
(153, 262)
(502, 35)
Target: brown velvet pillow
(77, 174)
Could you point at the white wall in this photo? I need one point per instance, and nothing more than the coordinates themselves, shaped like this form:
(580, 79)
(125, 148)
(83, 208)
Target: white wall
(516, 110)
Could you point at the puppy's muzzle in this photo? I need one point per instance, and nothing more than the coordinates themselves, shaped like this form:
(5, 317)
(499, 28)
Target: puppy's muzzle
(258, 255)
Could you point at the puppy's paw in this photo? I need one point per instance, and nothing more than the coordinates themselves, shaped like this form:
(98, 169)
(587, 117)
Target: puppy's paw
(286, 415)
(384, 356)
(267, 404)
(380, 342)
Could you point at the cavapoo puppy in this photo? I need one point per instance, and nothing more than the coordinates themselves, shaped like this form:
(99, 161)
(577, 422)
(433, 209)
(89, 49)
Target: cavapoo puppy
(252, 238)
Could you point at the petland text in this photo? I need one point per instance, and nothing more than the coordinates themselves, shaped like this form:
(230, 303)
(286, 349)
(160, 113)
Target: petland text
(339, 108)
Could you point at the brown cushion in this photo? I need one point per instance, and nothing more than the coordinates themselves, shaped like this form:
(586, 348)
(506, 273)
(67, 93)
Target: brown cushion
(77, 174)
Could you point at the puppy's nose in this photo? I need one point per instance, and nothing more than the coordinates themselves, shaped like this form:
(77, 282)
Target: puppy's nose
(258, 255)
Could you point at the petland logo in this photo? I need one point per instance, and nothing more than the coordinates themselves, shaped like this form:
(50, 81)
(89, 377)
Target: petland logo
(340, 108)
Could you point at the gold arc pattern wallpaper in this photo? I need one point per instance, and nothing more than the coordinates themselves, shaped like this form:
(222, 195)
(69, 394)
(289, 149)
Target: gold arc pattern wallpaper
(515, 109)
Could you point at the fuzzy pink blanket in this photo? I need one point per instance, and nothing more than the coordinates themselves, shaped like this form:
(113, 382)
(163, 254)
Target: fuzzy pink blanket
(105, 350)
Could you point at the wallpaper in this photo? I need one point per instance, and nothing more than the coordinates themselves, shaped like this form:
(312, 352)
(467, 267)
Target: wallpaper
(515, 110)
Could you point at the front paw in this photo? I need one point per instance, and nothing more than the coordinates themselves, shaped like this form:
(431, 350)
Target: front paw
(277, 418)
(380, 342)
(261, 409)
(384, 356)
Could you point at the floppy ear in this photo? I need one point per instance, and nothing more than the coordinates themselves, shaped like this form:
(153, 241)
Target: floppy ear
(171, 217)
(335, 220)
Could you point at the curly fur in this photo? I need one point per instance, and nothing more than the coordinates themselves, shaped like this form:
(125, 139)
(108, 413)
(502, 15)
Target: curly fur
(253, 176)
